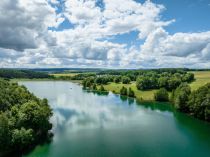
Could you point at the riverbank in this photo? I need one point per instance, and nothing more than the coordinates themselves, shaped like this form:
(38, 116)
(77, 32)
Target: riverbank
(201, 78)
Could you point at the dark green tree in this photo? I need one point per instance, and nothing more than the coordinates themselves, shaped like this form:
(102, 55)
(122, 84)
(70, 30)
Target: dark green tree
(123, 91)
(161, 95)
(131, 92)
(126, 80)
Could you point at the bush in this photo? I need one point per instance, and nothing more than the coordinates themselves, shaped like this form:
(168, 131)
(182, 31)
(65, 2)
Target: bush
(161, 95)
(199, 102)
(123, 91)
(117, 79)
(126, 80)
(181, 97)
(102, 89)
(94, 87)
(131, 92)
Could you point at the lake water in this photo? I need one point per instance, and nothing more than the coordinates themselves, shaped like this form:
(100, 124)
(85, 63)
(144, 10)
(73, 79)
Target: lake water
(88, 124)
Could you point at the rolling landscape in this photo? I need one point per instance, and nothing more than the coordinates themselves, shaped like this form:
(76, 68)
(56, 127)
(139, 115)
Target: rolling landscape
(104, 78)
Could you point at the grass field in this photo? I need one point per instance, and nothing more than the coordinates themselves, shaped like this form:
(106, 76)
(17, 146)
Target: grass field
(141, 95)
(202, 77)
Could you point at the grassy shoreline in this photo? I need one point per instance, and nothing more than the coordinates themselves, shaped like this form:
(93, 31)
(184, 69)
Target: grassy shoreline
(202, 77)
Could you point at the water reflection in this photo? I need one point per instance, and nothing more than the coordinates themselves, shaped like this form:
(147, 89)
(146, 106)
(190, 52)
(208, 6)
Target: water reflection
(87, 123)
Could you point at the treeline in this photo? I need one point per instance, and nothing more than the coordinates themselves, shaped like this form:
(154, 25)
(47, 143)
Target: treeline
(144, 80)
(166, 80)
(81, 76)
(137, 72)
(195, 103)
(14, 73)
(24, 119)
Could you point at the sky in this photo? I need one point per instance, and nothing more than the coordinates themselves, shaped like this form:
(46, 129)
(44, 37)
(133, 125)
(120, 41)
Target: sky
(105, 33)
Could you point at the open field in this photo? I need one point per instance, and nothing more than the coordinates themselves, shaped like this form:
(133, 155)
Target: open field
(202, 77)
(141, 95)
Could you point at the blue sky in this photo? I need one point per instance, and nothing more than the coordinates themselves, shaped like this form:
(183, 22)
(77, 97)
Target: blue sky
(105, 33)
(190, 15)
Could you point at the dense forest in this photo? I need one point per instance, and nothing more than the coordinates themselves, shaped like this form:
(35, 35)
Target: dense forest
(24, 119)
(15, 73)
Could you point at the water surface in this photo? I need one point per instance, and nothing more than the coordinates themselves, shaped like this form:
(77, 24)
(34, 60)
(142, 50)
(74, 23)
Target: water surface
(88, 124)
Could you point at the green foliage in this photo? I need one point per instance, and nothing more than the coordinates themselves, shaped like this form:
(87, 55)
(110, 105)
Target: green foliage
(102, 89)
(123, 91)
(181, 96)
(163, 82)
(12, 73)
(4, 132)
(173, 83)
(126, 80)
(131, 92)
(24, 118)
(199, 102)
(161, 95)
(94, 87)
(117, 79)
(143, 83)
(22, 138)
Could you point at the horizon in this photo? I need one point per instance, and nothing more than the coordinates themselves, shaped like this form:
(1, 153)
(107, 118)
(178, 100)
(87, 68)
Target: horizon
(105, 34)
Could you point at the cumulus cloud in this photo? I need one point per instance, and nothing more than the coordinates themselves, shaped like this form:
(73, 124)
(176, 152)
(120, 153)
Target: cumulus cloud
(24, 24)
(25, 35)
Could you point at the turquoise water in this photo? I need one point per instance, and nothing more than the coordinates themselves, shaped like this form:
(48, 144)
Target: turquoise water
(88, 124)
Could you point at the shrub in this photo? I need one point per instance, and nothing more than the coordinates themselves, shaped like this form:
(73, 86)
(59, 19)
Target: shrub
(131, 92)
(126, 80)
(161, 95)
(123, 91)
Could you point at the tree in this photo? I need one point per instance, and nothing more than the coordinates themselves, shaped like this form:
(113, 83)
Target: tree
(143, 83)
(117, 79)
(126, 80)
(188, 77)
(102, 89)
(22, 138)
(123, 91)
(131, 92)
(163, 82)
(24, 118)
(161, 95)
(94, 87)
(199, 102)
(181, 97)
(4, 132)
(173, 83)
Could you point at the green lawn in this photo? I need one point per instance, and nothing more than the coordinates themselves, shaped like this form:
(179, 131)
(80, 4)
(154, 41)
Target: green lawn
(202, 77)
(141, 95)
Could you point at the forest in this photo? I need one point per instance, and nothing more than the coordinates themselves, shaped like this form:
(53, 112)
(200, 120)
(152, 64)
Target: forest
(24, 119)
(30, 74)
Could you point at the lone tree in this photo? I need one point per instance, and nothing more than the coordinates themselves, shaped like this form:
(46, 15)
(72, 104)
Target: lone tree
(131, 92)
(123, 91)
(102, 89)
(161, 95)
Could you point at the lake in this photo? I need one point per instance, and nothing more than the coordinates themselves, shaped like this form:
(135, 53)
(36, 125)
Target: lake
(87, 124)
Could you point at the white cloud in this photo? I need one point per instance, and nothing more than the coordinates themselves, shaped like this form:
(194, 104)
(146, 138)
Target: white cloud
(23, 23)
(24, 35)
